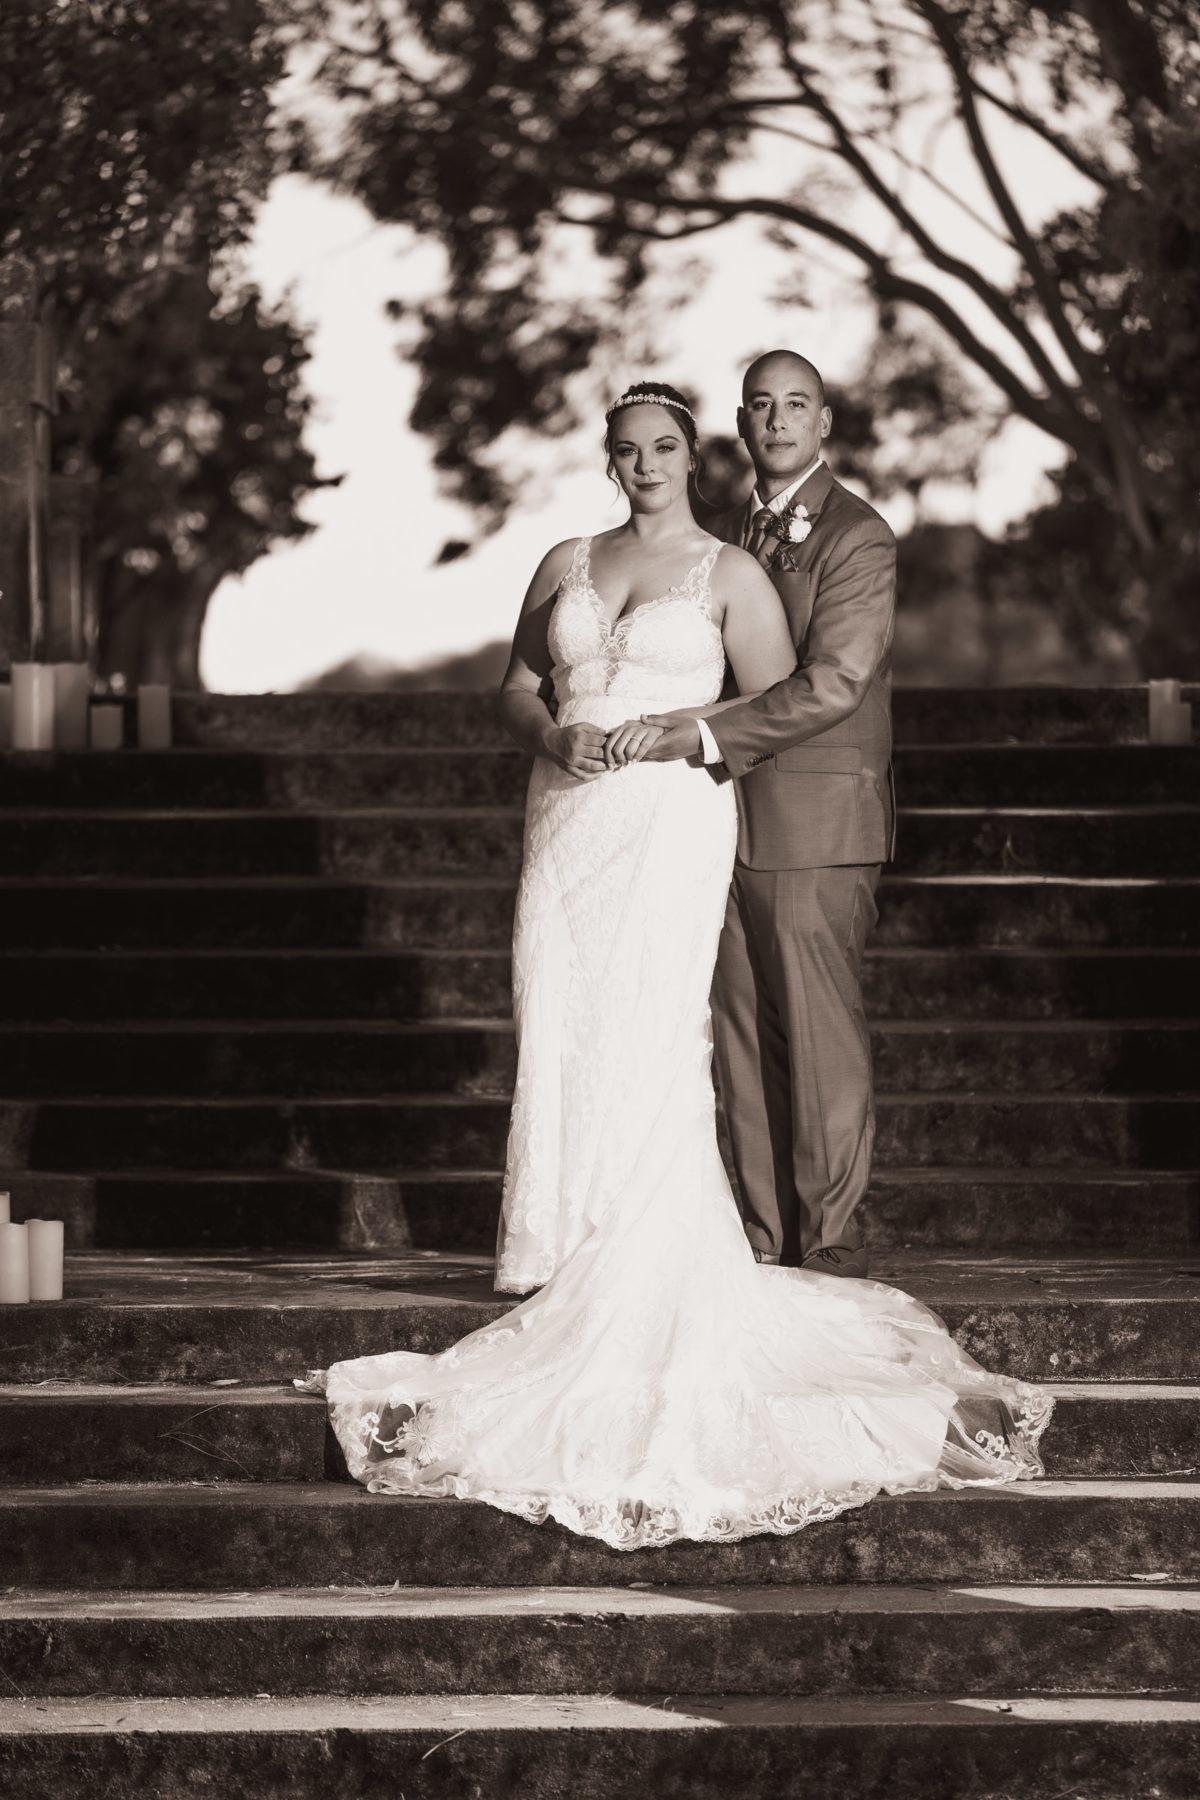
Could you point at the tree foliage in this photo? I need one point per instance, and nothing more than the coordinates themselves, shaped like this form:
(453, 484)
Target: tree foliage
(137, 141)
(498, 126)
(188, 406)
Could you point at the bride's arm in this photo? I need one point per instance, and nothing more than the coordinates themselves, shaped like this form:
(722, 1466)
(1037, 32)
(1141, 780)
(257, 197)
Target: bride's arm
(754, 626)
(579, 749)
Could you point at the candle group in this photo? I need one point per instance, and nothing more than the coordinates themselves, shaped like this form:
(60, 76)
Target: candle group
(31, 1259)
(1170, 717)
(48, 706)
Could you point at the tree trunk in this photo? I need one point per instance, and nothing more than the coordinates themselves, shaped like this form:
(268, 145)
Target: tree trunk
(151, 633)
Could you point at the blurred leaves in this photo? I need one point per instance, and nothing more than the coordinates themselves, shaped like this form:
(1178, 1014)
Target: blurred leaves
(189, 407)
(137, 140)
(502, 127)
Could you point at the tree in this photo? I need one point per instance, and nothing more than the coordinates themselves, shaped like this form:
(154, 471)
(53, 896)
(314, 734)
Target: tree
(132, 132)
(137, 140)
(188, 405)
(497, 127)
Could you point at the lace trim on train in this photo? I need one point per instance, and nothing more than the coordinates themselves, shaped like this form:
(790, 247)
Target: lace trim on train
(405, 1432)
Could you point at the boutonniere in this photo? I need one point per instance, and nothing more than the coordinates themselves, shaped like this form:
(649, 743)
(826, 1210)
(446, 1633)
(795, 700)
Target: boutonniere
(798, 525)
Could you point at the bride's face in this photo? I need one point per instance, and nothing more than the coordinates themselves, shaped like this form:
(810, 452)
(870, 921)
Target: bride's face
(650, 458)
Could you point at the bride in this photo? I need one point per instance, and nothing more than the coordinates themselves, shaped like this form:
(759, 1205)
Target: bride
(659, 1383)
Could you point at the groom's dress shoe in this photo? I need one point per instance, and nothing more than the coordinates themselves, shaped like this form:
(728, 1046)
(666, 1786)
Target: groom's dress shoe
(837, 1259)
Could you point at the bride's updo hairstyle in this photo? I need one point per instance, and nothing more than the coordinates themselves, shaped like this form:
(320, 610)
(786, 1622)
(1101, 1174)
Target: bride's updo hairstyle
(657, 393)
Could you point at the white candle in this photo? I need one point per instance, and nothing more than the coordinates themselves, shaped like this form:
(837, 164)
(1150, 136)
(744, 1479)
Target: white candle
(1175, 724)
(108, 727)
(1162, 695)
(5, 714)
(71, 684)
(14, 1265)
(5, 1209)
(45, 1259)
(154, 717)
(32, 706)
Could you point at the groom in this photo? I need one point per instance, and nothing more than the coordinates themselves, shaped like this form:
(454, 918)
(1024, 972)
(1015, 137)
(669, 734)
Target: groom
(812, 759)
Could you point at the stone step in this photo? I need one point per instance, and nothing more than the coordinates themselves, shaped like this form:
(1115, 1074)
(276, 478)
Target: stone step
(334, 781)
(79, 1432)
(903, 984)
(335, 1059)
(976, 1209)
(300, 780)
(476, 913)
(756, 1640)
(143, 1536)
(1093, 714)
(200, 1318)
(597, 1747)
(1141, 841)
(448, 1132)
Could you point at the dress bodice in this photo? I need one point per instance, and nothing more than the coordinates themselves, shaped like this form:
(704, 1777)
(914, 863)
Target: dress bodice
(668, 651)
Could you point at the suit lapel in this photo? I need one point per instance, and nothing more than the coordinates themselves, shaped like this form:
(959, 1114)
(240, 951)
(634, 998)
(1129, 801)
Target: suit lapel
(813, 494)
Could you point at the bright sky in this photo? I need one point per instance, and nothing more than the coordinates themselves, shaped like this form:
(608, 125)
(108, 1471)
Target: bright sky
(365, 582)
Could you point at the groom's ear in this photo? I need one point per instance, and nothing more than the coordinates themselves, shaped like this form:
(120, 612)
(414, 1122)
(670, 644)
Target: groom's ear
(741, 423)
(826, 422)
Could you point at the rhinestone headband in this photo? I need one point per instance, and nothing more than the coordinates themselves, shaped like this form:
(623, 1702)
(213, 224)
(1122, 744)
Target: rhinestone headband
(649, 400)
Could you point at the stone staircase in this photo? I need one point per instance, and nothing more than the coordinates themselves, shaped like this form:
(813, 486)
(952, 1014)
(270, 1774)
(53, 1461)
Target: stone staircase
(254, 1046)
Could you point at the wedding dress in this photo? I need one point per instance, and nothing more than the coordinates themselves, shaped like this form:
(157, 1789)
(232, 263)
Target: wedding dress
(661, 1384)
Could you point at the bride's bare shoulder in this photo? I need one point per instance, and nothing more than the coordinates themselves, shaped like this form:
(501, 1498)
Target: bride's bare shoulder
(735, 569)
(550, 571)
(739, 583)
(731, 559)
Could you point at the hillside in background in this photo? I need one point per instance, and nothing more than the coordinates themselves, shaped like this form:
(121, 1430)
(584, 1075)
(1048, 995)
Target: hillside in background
(958, 624)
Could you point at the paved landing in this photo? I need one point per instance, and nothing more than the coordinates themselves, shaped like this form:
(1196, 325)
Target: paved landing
(232, 1278)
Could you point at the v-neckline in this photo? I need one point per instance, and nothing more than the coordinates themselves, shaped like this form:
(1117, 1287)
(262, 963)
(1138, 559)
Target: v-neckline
(612, 626)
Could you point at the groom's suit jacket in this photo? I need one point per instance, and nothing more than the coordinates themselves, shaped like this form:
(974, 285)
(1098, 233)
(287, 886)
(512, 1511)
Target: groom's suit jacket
(813, 753)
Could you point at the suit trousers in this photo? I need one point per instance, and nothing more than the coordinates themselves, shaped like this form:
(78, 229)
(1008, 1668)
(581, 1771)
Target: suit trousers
(793, 1054)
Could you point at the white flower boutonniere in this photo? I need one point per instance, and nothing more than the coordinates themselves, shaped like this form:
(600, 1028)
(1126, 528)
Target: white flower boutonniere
(799, 525)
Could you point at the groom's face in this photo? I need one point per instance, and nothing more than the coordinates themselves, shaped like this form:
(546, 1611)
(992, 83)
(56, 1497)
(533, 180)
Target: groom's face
(783, 420)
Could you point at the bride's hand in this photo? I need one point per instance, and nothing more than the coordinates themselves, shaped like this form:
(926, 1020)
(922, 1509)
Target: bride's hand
(579, 749)
(629, 743)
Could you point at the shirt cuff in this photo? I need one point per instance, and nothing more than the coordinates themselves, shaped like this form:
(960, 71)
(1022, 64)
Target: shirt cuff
(710, 750)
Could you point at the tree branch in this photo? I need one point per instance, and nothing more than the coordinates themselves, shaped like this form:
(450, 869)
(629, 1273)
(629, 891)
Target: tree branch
(1087, 166)
(1057, 420)
(1044, 283)
(997, 303)
(1118, 428)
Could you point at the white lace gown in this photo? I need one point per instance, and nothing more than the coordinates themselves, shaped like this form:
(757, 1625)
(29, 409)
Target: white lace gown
(661, 1384)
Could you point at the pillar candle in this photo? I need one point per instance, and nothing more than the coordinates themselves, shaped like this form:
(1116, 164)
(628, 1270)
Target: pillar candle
(1175, 724)
(14, 1264)
(108, 727)
(5, 1209)
(5, 714)
(32, 706)
(71, 684)
(45, 1259)
(154, 717)
(1162, 695)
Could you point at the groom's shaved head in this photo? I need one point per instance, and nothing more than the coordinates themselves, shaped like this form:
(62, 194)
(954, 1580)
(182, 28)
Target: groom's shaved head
(773, 362)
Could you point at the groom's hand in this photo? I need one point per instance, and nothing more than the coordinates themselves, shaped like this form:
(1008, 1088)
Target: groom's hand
(630, 743)
(680, 737)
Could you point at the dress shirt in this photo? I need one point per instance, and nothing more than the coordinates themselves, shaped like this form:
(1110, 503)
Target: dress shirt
(709, 749)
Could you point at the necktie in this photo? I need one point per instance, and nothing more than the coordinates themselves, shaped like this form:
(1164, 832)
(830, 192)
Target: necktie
(762, 526)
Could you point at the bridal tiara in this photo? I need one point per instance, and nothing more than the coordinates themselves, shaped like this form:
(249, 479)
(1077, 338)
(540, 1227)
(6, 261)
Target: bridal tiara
(649, 400)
